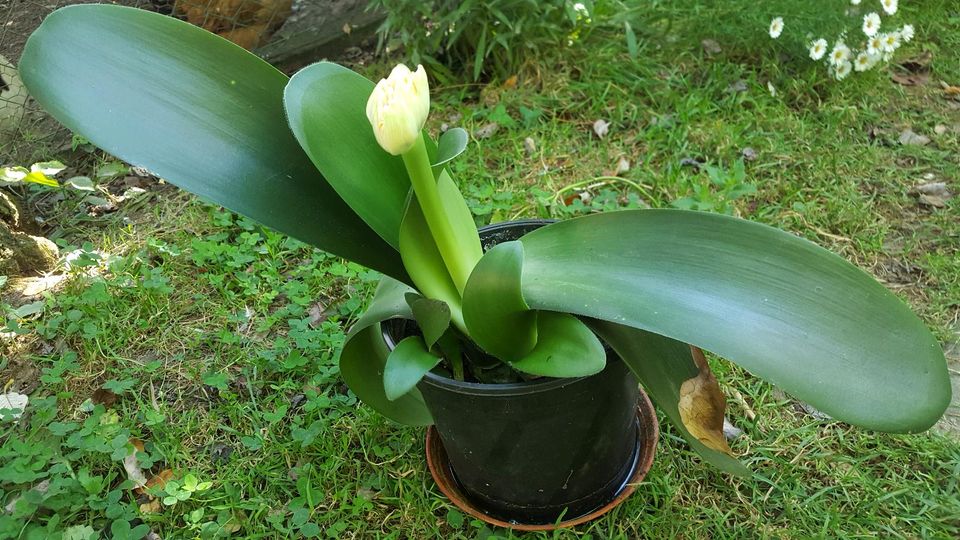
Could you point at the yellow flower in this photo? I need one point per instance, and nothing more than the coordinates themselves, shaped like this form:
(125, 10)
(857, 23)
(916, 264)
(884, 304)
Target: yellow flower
(398, 108)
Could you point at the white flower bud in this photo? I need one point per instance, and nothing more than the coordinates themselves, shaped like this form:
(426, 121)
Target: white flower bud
(398, 108)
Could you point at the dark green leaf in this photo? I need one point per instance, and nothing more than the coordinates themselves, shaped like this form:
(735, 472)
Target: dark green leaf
(326, 106)
(452, 143)
(407, 363)
(423, 261)
(196, 110)
(565, 348)
(433, 316)
(497, 317)
(780, 306)
(364, 356)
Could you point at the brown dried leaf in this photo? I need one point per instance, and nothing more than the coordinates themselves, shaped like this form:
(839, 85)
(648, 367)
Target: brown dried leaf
(911, 79)
(104, 397)
(153, 506)
(132, 467)
(157, 481)
(702, 406)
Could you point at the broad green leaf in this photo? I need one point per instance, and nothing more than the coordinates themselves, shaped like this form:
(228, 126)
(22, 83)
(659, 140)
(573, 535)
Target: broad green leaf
(782, 307)
(565, 348)
(364, 357)
(460, 216)
(196, 110)
(50, 168)
(10, 176)
(424, 263)
(497, 317)
(452, 143)
(662, 365)
(407, 363)
(432, 316)
(80, 183)
(326, 106)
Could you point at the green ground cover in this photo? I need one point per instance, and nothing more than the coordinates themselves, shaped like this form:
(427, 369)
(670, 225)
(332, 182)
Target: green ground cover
(214, 341)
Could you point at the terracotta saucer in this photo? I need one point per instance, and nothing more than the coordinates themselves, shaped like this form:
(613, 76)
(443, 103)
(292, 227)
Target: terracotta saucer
(442, 474)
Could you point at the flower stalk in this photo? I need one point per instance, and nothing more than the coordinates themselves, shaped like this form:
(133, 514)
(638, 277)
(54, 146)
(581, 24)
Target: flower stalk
(424, 184)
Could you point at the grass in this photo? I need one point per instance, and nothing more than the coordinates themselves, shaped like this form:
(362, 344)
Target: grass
(217, 339)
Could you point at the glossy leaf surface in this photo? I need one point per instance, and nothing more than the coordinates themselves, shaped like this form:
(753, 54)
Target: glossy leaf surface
(326, 104)
(196, 110)
(451, 144)
(782, 307)
(497, 317)
(565, 348)
(364, 357)
(432, 316)
(407, 363)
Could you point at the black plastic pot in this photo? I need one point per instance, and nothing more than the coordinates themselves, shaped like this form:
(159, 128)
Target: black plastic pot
(543, 450)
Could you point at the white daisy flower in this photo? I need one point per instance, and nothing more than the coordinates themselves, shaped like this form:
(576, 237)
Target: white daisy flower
(841, 71)
(581, 9)
(875, 45)
(776, 27)
(864, 61)
(839, 54)
(871, 24)
(891, 42)
(906, 33)
(818, 48)
(855, 2)
(890, 6)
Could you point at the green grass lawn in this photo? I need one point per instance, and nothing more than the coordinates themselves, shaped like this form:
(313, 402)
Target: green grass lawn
(214, 341)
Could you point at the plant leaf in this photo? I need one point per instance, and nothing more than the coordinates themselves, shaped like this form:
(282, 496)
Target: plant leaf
(364, 357)
(423, 261)
(325, 106)
(782, 307)
(80, 183)
(702, 406)
(452, 143)
(433, 316)
(37, 177)
(197, 111)
(497, 317)
(406, 365)
(662, 365)
(565, 348)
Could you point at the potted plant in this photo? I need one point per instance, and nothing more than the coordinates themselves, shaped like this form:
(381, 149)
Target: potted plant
(560, 312)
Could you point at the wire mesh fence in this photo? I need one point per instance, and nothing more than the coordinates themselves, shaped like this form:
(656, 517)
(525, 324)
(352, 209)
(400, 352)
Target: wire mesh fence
(26, 133)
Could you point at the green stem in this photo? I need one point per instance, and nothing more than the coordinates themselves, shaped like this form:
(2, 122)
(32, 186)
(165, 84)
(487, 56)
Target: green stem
(424, 183)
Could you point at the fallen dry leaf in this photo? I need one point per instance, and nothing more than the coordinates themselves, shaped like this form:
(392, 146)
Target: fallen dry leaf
(104, 397)
(623, 165)
(132, 467)
(710, 46)
(510, 83)
(153, 506)
(486, 131)
(530, 146)
(702, 406)
(909, 138)
(14, 401)
(932, 201)
(160, 479)
(911, 79)
(601, 127)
